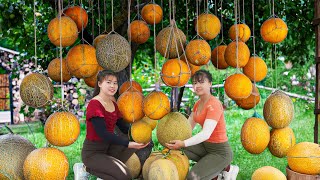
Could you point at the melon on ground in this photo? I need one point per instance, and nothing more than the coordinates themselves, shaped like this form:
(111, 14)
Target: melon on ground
(134, 165)
(14, 150)
(163, 168)
(145, 169)
(268, 173)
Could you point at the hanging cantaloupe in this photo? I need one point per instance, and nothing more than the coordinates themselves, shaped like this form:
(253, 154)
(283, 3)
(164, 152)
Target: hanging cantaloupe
(243, 33)
(78, 15)
(252, 141)
(98, 39)
(192, 67)
(170, 42)
(198, 52)
(268, 173)
(281, 140)
(82, 61)
(138, 32)
(175, 73)
(217, 57)
(230, 54)
(208, 26)
(46, 163)
(62, 128)
(251, 101)
(238, 86)
(130, 106)
(156, 105)
(278, 110)
(152, 123)
(14, 150)
(134, 165)
(152, 13)
(163, 168)
(92, 81)
(54, 70)
(173, 126)
(274, 30)
(130, 86)
(68, 28)
(113, 52)
(140, 132)
(36, 90)
(304, 158)
(256, 69)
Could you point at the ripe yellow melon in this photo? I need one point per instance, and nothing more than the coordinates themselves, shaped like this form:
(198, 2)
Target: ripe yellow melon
(152, 123)
(163, 168)
(238, 86)
(152, 13)
(46, 163)
(268, 173)
(217, 57)
(170, 42)
(156, 105)
(145, 169)
(198, 52)
(180, 163)
(138, 32)
(130, 86)
(244, 32)
(278, 110)
(175, 73)
(14, 150)
(92, 81)
(281, 140)
(68, 29)
(255, 135)
(256, 69)
(54, 70)
(36, 90)
(251, 101)
(230, 55)
(192, 67)
(274, 30)
(304, 158)
(62, 128)
(130, 106)
(173, 126)
(141, 132)
(208, 26)
(134, 165)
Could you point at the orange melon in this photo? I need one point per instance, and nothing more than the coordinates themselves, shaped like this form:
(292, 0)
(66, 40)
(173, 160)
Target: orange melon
(78, 15)
(92, 81)
(281, 140)
(130, 106)
(217, 57)
(175, 73)
(152, 13)
(244, 32)
(141, 132)
(256, 69)
(238, 86)
(130, 86)
(156, 105)
(54, 70)
(251, 101)
(192, 67)
(268, 173)
(138, 32)
(230, 54)
(208, 26)
(274, 30)
(198, 52)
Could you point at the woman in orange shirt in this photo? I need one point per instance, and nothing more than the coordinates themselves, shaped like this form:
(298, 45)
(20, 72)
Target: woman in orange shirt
(210, 147)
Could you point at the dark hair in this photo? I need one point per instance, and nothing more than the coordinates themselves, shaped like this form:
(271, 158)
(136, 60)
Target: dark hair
(100, 77)
(200, 75)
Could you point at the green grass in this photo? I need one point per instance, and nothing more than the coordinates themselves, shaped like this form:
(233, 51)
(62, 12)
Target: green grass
(302, 126)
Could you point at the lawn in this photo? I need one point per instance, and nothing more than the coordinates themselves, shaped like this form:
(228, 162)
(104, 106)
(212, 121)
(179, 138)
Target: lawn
(302, 126)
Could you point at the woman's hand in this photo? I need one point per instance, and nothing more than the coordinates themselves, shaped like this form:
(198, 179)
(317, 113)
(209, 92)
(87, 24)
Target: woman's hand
(175, 144)
(135, 145)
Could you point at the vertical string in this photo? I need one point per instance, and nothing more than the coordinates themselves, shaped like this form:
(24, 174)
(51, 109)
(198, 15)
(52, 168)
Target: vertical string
(187, 17)
(254, 53)
(276, 67)
(139, 17)
(60, 28)
(92, 18)
(35, 34)
(197, 14)
(222, 38)
(129, 27)
(239, 12)
(273, 8)
(244, 15)
(99, 16)
(154, 45)
(162, 8)
(105, 15)
(237, 33)
(112, 15)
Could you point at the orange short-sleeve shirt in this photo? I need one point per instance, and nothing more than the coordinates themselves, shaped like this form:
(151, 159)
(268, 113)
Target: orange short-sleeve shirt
(212, 110)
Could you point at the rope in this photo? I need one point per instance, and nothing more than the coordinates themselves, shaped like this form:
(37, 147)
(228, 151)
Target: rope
(92, 19)
(276, 66)
(129, 27)
(112, 15)
(154, 45)
(61, 76)
(105, 15)
(273, 8)
(99, 15)
(187, 17)
(197, 9)
(35, 34)
(162, 8)
(139, 17)
(222, 36)
(244, 15)
(237, 34)
(254, 54)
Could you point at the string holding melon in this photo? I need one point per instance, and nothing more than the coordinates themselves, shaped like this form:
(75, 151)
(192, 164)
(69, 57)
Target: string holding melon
(78, 15)
(68, 28)
(138, 32)
(36, 90)
(208, 26)
(193, 68)
(54, 70)
(82, 61)
(62, 129)
(152, 13)
(113, 52)
(33, 167)
(274, 30)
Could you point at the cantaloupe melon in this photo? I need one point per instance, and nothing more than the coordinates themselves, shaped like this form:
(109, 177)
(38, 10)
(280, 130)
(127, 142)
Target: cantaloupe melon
(281, 140)
(268, 173)
(134, 166)
(153, 156)
(163, 168)
(141, 132)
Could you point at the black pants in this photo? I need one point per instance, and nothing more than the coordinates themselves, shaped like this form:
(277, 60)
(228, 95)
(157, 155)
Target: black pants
(106, 161)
